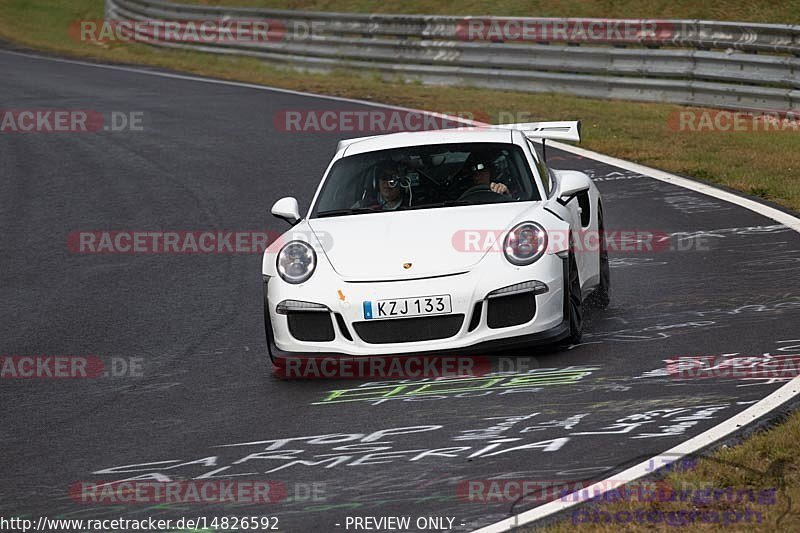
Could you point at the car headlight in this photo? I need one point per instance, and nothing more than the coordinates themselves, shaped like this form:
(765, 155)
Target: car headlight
(296, 262)
(525, 243)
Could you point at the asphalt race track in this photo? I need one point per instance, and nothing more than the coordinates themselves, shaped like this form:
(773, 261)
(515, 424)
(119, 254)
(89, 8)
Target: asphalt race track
(210, 158)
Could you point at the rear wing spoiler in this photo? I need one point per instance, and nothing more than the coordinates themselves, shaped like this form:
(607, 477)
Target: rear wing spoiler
(344, 143)
(567, 130)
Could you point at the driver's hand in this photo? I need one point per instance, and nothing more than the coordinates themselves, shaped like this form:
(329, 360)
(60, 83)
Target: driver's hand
(499, 188)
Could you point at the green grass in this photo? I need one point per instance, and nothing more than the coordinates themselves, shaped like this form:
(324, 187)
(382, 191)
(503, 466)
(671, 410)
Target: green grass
(787, 12)
(768, 460)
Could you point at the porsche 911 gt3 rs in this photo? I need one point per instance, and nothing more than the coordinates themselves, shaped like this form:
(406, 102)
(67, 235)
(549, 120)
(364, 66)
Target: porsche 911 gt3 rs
(454, 241)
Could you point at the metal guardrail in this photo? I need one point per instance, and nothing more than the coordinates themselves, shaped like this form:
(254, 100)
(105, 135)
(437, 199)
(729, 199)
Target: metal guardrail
(693, 62)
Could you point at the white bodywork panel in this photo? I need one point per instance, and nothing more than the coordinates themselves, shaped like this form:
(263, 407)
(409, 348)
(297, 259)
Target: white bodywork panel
(364, 256)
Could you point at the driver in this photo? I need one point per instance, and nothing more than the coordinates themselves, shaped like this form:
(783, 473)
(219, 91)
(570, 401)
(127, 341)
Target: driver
(479, 170)
(390, 195)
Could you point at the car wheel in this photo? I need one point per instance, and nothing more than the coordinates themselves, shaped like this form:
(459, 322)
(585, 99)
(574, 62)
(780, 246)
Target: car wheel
(575, 302)
(600, 298)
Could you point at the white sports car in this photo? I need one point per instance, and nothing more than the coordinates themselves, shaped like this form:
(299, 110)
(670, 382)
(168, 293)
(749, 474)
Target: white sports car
(457, 241)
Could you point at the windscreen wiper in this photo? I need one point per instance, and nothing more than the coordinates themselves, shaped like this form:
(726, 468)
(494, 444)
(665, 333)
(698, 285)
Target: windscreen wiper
(350, 211)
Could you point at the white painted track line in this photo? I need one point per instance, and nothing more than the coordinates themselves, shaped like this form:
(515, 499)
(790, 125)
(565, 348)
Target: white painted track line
(645, 468)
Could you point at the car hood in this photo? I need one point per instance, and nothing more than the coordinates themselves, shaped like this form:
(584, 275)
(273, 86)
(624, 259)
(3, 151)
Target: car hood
(413, 244)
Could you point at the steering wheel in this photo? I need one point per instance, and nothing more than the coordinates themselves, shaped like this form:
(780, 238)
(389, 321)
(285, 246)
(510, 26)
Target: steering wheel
(483, 194)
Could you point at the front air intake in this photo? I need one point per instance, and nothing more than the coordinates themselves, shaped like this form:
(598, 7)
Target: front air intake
(425, 328)
(311, 326)
(511, 310)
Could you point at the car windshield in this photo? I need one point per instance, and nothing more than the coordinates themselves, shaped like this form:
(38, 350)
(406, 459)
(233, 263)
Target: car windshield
(424, 177)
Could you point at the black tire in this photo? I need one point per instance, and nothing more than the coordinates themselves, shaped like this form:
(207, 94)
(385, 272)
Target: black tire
(574, 301)
(600, 298)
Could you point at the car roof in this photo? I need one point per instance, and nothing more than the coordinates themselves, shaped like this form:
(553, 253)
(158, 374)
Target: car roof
(447, 136)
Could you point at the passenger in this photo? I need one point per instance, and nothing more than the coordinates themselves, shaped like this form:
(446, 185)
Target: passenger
(390, 189)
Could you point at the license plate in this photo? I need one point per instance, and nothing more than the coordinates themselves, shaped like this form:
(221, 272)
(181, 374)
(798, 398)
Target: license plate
(406, 307)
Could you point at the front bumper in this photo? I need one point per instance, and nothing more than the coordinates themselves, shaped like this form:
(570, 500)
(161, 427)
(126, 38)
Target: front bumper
(342, 313)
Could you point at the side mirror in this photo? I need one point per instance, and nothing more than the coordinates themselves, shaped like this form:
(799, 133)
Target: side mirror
(571, 184)
(287, 209)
